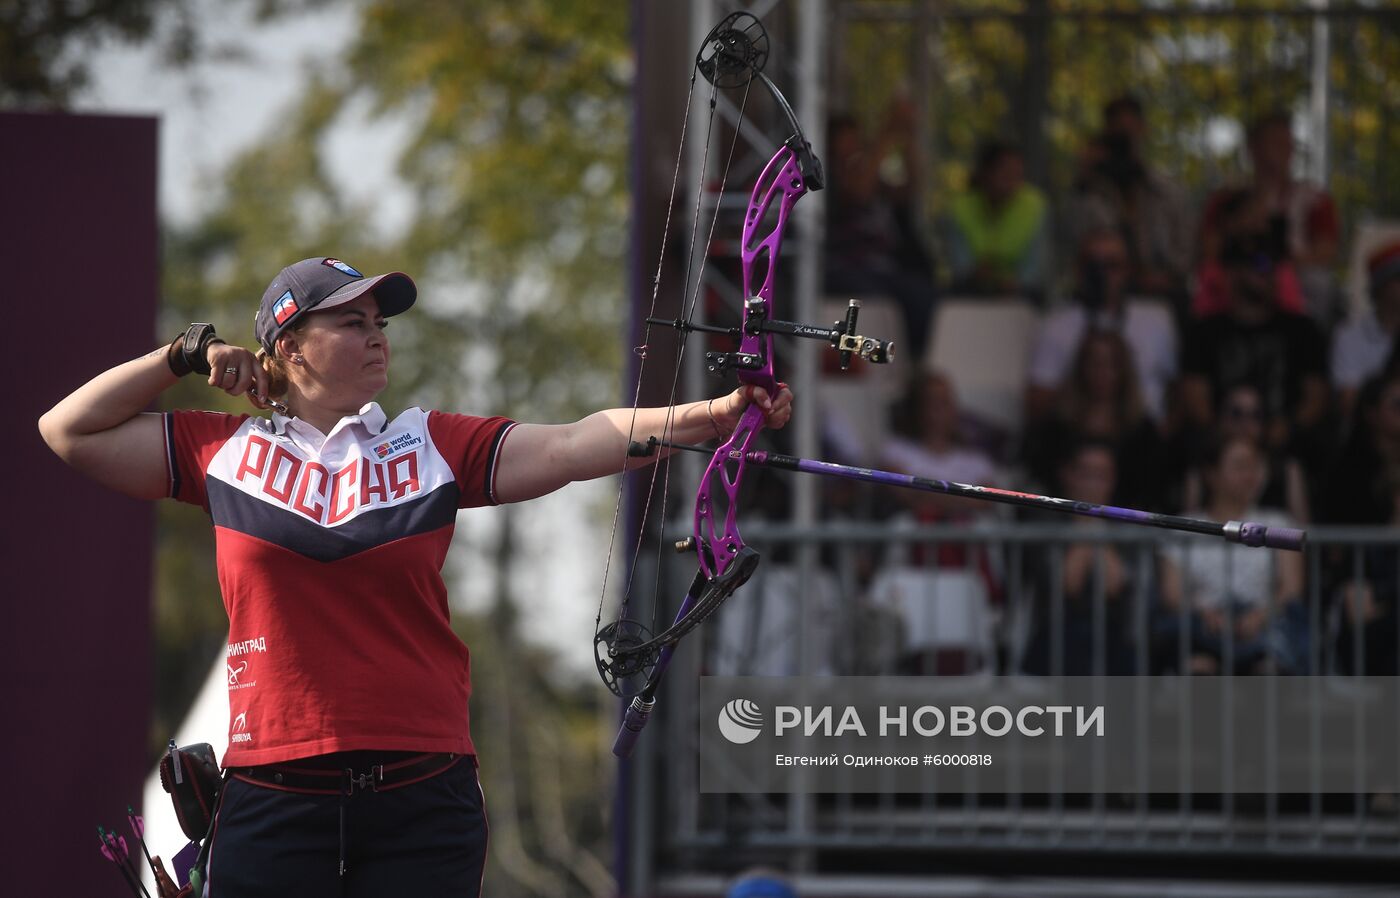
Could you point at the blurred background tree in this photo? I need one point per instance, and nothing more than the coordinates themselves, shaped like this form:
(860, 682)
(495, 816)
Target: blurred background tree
(43, 58)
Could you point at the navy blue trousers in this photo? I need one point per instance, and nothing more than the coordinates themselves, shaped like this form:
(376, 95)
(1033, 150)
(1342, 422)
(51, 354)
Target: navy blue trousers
(426, 839)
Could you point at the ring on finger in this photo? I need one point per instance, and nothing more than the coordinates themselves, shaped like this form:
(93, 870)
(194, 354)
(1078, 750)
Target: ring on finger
(231, 370)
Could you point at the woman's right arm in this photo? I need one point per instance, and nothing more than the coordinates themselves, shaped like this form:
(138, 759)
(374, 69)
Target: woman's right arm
(101, 430)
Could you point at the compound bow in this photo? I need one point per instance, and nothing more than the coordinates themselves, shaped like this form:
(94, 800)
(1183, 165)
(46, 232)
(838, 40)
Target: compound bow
(733, 55)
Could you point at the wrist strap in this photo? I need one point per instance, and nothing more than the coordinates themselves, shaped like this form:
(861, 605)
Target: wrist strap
(188, 352)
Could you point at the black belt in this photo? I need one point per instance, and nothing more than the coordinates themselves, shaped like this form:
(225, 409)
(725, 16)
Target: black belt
(332, 778)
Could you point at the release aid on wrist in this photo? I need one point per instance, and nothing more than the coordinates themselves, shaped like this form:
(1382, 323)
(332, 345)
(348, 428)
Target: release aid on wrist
(188, 352)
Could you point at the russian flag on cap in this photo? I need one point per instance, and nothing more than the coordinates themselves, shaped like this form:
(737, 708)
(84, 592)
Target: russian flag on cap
(284, 308)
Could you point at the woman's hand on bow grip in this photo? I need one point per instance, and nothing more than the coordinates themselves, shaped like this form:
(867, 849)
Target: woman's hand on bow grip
(776, 409)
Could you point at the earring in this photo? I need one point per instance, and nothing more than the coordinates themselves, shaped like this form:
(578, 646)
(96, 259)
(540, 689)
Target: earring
(296, 359)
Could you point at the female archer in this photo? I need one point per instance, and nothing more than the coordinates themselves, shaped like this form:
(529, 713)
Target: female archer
(352, 769)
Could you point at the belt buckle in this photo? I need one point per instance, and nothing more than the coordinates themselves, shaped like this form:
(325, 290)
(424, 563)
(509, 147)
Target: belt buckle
(362, 781)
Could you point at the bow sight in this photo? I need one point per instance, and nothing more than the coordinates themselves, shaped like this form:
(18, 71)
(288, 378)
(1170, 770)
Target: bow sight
(842, 336)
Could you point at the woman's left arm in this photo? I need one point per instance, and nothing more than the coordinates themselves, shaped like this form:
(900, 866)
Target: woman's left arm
(537, 459)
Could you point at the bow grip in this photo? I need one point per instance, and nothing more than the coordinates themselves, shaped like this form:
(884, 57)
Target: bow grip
(638, 712)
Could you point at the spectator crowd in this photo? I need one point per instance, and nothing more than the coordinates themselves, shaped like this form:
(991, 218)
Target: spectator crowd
(1201, 363)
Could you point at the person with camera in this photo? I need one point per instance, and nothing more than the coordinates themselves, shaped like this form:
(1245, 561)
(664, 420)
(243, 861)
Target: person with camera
(1119, 189)
(1300, 219)
(1100, 303)
(1255, 341)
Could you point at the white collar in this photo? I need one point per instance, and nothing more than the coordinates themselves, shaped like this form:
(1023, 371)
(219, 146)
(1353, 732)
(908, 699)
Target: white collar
(371, 417)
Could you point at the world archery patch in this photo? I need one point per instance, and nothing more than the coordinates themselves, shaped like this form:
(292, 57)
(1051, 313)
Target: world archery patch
(397, 443)
(341, 266)
(284, 308)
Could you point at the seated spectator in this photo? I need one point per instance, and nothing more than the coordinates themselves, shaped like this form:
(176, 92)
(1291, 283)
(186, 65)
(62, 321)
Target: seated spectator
(1100, 400)
(1280, 354)
(873, 247)
(1243, 235)
(1366, 632)
(1121, 191)
(929, 444)
(1238, 601)
(1364, 488)
(928, 440)
(996, 231)
(1300, 217)
(1241, 414)
(1362, 345)
(1359, 483)
(1100, 303)
(1094, 582)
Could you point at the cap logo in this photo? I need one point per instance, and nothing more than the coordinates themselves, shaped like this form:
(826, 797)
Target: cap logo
(341, 266)
(284, 308)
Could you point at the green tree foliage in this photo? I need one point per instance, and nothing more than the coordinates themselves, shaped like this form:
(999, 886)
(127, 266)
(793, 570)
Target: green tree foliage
(42, 62)
(517, 167)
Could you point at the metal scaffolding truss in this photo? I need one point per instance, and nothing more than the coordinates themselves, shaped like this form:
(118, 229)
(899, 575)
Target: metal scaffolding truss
(798, 32)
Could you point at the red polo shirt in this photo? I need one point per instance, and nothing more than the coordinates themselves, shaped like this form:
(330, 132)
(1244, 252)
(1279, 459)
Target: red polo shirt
(330, 553)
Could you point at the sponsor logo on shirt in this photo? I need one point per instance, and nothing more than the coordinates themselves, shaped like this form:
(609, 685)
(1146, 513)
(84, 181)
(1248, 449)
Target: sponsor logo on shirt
(240, 729)
(238, 665)
(258, 644)
(397, 444)
(238, 677)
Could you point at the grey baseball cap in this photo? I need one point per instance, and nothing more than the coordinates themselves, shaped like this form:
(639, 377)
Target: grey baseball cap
(319, 284)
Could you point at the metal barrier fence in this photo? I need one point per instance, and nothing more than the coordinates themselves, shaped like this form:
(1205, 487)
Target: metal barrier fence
(950, 600)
